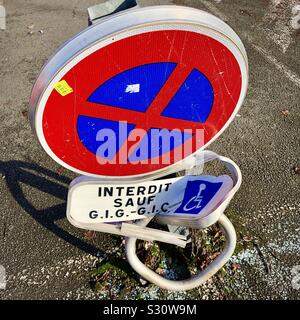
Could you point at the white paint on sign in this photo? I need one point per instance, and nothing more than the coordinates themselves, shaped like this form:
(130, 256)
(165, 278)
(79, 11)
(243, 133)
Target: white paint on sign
(133, 88)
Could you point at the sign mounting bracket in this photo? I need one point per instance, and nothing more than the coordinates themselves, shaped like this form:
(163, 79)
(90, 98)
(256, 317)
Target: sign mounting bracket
(107, 8)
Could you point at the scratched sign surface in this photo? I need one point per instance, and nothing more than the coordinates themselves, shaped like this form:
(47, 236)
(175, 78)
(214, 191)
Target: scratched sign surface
(157, 81)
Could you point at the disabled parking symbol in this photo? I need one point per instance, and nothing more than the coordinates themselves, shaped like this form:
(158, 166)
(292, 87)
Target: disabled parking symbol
(197, 195)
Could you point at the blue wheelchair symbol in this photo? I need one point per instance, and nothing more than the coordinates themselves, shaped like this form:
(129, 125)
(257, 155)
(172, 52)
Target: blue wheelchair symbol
(197, 195)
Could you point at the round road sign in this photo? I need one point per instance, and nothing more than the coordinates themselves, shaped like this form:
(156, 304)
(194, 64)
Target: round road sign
(156, 70)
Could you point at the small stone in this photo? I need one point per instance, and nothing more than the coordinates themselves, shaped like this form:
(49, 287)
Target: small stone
(247, 239)
(160, 271)
(60, 170)
(25, 112)
(143, 281)
(285, 112)
(41, 31)
(297, 169)
(147, 245)
(235, 266)
(89, 235)
(245, 12)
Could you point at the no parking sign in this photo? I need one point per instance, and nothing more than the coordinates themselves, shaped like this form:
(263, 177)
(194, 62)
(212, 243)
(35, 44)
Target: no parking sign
(128, 100)
(103, 98)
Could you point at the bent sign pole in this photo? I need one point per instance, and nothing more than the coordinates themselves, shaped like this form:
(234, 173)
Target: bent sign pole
(136, 96)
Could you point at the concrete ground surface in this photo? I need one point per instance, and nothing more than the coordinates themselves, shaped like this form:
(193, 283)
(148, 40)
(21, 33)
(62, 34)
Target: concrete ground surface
(46, 258)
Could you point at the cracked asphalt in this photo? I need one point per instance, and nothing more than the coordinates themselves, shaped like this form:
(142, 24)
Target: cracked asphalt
(46, 258)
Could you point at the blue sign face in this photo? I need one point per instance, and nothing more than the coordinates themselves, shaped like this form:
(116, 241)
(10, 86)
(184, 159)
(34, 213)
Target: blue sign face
(197, 195)
(135, 90)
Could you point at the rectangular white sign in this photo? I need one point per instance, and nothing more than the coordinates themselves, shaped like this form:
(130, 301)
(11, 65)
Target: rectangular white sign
(90, 201)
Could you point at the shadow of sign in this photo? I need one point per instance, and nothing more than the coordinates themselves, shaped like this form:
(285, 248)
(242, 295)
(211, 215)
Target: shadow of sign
(54, 184)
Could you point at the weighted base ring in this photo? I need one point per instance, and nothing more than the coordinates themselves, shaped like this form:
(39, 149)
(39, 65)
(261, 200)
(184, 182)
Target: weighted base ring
(194, 281)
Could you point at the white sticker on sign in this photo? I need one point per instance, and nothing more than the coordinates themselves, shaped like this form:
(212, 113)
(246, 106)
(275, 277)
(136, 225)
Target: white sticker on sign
(90, 201)
(133, 88)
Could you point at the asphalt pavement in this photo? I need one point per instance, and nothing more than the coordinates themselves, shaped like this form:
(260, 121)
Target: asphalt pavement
(46, 258)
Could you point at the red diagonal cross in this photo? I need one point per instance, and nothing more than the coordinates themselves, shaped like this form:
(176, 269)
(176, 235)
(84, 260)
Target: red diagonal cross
(152, 118)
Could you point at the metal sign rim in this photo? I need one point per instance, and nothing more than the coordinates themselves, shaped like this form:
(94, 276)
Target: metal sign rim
(152, 16)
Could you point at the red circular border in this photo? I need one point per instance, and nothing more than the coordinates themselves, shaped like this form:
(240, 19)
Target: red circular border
(188, 49)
